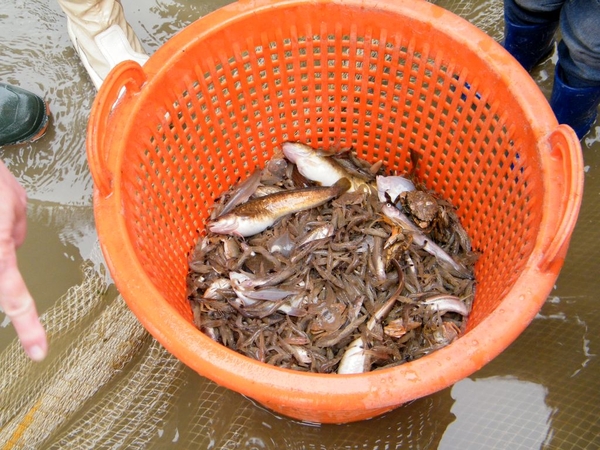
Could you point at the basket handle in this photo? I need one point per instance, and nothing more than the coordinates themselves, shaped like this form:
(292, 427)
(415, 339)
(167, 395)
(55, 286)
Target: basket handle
(123, 81)
(562, 140)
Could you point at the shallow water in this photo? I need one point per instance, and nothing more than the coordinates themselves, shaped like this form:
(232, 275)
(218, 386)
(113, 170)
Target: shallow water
(542, 392)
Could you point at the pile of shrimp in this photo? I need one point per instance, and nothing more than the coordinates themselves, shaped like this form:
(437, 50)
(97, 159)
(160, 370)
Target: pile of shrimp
(347, 286)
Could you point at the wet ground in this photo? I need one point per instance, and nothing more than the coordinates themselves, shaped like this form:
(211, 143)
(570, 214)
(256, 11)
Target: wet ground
(542, 392)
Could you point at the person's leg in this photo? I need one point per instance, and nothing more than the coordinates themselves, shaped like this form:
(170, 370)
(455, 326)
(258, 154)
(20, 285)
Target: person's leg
(529, 29)
(576, 91)
(23, 115)
(101, 35)
(579, 50)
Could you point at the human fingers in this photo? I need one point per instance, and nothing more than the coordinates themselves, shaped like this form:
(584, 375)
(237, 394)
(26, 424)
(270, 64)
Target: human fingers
(15, 298)
(14, 211)
(20, 215)
(18, 305)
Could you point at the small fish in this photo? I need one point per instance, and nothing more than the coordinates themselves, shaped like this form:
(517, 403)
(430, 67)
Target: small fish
(214, 290)
(411, 272)
(243, 287)
(356, 359)
(377, 259)
(444, 303)
(262, 302)
(320, 232)
(422, 240)
(300, 354)
(242, 192)
(393, 186)
(258, 214)
(317, 166)
(270, 279)
(282, 244)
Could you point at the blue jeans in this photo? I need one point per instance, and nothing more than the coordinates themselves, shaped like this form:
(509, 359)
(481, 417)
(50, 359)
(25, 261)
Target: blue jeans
(579, 21)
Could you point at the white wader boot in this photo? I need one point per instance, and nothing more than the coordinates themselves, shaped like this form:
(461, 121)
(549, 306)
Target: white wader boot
(101, 36)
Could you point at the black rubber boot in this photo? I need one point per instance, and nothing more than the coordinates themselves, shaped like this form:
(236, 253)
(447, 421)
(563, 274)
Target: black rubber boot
(575, 106)
(23, 115)
(530, 35)
(529, 44)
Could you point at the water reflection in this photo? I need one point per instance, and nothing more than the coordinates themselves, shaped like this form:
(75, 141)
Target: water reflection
(517, 407)
(553, 366)
(73, 224)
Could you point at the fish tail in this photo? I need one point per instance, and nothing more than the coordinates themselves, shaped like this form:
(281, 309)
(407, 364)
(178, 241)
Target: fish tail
(342, 185)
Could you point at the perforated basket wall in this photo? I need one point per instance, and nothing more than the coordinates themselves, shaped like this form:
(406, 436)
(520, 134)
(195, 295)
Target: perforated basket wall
(391, 80)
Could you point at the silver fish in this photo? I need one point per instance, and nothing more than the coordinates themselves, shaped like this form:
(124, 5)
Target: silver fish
(393, 186)
(256, 302)
(447, 303)
(356, 359)
(272, 279)
(242, 192)
(318, 167)
(320, 232)
(243, 287)
(213, 291)
(422, 240)
(282, 244)
(258, 214)
(300, 353)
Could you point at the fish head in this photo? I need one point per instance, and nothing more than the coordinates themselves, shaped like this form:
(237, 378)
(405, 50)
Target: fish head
(389, 210)
(296, 150)
(226, 224)
(238, 278)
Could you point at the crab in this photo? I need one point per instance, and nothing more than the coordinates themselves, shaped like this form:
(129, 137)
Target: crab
(422, 206)
(443, 335)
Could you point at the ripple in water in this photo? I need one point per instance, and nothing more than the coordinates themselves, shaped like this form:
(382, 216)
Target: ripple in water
(37, 55)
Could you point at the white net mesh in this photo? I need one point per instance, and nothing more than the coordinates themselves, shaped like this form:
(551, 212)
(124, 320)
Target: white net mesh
(96, 339)
(130, 416)
(17, 373)
(488, 15)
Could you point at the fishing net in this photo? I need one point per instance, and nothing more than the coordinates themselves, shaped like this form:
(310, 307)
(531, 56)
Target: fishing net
(97, 344)
(488, 16)
(109, 384)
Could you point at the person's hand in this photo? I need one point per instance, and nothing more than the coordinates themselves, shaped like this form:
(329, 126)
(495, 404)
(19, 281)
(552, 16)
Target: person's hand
(15, 299)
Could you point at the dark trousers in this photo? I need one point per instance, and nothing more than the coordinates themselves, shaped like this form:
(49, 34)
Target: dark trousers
(579, 23)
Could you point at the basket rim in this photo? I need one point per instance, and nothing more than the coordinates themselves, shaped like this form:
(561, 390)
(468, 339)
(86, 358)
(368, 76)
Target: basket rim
(517, 79)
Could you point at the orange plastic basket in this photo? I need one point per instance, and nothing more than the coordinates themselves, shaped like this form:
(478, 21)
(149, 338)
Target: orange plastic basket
(390, 78)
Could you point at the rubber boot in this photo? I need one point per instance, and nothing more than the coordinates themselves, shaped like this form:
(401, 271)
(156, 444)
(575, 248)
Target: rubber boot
(575, 106)
(101, 36)
(23, 115)
(529, 44)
